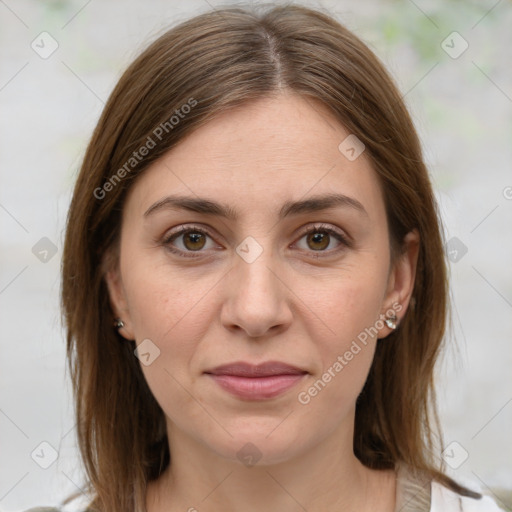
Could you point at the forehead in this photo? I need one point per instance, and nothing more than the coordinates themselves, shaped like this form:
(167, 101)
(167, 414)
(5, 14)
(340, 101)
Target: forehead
(263, 154)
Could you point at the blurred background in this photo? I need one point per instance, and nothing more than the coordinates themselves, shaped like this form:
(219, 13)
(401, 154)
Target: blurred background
(60, 59)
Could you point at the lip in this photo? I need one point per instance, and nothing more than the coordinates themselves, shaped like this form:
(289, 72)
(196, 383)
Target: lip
(256, 382)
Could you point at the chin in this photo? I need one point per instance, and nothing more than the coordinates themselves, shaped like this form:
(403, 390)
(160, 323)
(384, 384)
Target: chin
(261, 445)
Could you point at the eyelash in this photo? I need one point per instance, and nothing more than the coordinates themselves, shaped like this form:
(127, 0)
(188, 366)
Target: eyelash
(344, 243)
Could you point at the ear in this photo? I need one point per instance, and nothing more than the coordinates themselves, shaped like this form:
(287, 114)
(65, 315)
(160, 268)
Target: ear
(401, 282)
(117, 294)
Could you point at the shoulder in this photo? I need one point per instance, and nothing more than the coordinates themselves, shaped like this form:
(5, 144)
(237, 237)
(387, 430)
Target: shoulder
(76, 504)
(446, 500)
(54, 509)
(43, 509)
(417, 490)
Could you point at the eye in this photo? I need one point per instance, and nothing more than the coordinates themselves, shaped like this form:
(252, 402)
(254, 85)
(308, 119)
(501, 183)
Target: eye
(319, 237)
(192, 239)
(187, 240)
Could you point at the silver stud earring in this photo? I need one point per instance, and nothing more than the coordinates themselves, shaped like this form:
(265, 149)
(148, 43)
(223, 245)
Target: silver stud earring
(391, 321)
(118, 324)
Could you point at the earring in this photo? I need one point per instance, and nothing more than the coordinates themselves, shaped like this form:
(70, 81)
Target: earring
(391, 321)
(118, 324)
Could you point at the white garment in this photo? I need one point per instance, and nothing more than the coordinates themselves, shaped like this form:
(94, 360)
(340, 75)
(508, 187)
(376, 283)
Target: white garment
(442, 500)
(446, 500)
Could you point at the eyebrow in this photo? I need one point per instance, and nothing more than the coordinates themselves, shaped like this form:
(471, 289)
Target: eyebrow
(209, 207)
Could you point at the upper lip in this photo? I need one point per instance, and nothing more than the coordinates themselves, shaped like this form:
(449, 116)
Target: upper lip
(268, 368)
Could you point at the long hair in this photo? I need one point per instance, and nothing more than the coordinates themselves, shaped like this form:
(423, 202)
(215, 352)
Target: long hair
(213, 62)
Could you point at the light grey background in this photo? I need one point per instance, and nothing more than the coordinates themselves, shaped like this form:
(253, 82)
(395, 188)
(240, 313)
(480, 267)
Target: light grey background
(49, 106)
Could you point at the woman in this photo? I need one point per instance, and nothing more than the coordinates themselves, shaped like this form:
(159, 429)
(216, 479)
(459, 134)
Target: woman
(254, 281)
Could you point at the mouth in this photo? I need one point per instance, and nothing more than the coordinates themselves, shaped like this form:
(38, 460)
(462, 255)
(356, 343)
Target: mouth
(256, 382)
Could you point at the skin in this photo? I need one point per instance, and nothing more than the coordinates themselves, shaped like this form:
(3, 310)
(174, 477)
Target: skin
(290, 304)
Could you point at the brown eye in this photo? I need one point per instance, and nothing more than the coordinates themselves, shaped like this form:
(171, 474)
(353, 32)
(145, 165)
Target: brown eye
(188, 240)
(194, 240)
(319, 238)
(318, 241)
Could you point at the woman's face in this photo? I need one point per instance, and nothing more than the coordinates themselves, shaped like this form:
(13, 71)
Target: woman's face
(252, 286)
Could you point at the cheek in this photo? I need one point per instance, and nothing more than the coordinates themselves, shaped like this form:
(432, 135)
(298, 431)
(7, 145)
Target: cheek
(174, 311)
(346, 304)
(347, 310)
(165, 302)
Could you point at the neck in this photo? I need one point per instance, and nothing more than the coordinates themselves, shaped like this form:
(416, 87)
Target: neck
(324, 478)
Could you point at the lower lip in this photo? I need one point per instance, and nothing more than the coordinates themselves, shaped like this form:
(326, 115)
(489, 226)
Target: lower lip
(257, 388)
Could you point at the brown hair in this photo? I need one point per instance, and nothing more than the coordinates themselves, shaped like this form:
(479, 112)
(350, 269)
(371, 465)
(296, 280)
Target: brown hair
(215, 61)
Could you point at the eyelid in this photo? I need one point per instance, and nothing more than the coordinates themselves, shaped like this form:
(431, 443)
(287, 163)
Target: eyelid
(340, 235)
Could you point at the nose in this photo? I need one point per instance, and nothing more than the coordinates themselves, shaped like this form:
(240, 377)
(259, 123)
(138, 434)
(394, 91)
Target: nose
(257, 298)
